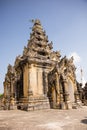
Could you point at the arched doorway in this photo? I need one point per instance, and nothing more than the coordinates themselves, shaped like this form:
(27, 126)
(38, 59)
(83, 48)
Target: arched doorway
(71, 91)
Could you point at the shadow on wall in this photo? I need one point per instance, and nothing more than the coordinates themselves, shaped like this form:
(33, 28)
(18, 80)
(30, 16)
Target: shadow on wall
(84, 121)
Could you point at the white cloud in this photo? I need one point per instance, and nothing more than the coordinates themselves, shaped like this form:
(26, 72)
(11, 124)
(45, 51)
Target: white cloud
(77, 62)
(76, 57)
(83, 82)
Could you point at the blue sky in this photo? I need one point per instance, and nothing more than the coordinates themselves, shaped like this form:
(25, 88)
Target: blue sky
(65, 22)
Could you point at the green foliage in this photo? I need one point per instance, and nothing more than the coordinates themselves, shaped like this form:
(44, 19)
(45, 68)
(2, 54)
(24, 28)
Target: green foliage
(1, 95)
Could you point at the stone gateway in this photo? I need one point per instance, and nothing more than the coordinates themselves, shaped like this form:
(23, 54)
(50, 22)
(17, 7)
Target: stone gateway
(40, 78)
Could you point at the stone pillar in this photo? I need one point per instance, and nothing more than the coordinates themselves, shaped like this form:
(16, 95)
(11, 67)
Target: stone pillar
(57, 89)
(12, 100)
(77, 100)
(77, 96)
(66, 90)
(39, 81)
(5, 87)
(30, 92)
(68, 105)
(45, 83)
(62, 105)
(11, 83)
(25, 80)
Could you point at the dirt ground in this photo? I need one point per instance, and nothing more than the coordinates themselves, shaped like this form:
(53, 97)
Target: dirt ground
(49, 119)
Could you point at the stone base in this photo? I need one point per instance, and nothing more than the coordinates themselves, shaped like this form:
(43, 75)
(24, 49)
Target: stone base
(10, 107)
(74, 106)
(85, 102)
(13, 107)
(38, 103)
(35, 103)
(79, 104)
(62, 105)
(68, 105)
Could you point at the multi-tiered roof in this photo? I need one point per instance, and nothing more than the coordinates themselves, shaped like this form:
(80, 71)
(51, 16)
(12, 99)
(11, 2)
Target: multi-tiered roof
(38, 45)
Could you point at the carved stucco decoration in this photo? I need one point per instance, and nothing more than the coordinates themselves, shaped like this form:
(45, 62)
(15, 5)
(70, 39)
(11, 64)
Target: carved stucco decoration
(55, 56)
(67, 66)
(18, 59)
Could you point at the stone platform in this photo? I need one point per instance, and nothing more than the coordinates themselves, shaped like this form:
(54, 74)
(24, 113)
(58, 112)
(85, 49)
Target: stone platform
(48, 119)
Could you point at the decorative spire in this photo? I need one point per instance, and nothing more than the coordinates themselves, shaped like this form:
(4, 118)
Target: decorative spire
(38, 45)
(38, 35)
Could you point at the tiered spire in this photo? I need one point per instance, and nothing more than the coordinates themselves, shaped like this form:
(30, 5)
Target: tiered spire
(38, 45)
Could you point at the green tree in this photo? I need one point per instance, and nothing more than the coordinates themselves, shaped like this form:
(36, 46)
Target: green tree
(1, 95)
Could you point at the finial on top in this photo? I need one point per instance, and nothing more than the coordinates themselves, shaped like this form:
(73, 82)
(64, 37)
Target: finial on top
(36, 21)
